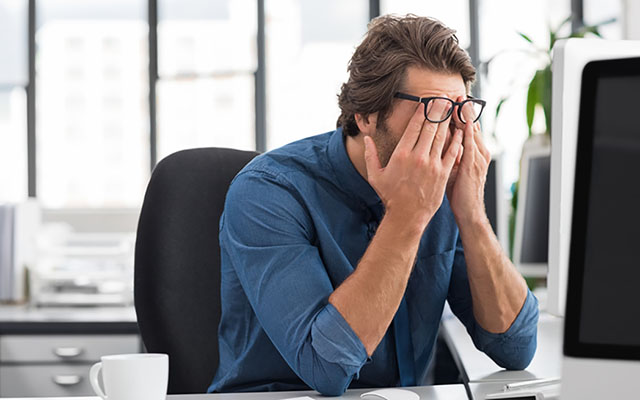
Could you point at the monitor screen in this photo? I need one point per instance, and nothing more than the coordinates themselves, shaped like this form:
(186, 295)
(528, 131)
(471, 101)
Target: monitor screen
(535, 235)
(490, 195)
(603, 303)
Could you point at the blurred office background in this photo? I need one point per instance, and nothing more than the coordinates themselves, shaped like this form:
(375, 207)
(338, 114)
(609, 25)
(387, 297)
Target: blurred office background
(93, 93)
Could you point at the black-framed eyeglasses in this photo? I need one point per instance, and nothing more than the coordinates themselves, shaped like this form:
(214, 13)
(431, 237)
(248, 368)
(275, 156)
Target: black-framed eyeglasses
(470, 106)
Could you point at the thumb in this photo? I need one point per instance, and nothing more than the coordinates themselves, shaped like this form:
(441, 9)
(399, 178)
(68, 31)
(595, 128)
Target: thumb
(372, 162)
(460, 153)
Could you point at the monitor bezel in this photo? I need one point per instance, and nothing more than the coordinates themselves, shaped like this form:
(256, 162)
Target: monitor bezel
(528, 269)
(572, 345)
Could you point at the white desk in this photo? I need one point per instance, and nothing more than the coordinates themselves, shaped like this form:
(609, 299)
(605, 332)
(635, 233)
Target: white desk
(478, 367)
(480, 390)
(482, 374)
(441, 392)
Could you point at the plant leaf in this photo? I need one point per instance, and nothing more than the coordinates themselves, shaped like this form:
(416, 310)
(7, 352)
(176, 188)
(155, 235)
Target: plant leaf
(593, 29)
(545, 95)
(499, 106)
(533, 98)
(525, 37)
(563, 23)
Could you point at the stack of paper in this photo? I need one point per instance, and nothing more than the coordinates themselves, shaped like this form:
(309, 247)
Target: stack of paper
(19, 225)
(6, 252)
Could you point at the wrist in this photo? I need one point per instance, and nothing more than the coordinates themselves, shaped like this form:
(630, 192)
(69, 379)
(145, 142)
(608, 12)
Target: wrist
(410, 223)
(475, 220)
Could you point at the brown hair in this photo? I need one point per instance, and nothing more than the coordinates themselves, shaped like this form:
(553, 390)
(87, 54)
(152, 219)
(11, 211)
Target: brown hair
(378, 66)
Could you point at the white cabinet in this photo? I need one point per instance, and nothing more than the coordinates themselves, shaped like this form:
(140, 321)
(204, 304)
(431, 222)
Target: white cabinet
(55, 365)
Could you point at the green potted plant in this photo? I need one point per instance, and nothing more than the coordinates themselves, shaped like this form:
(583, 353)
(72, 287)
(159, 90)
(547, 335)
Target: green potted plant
(539, 93)
(539, 97)
(538, 104)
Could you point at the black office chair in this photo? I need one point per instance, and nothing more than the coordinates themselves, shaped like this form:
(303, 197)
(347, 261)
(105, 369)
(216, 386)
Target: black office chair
(177, 262)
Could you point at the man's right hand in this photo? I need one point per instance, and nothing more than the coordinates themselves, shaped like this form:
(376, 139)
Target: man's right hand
(412, 185)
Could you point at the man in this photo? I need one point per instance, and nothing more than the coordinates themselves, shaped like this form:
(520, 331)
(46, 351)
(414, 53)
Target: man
(339, 250)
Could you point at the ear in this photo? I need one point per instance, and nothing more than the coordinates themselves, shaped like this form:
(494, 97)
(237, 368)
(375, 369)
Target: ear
(367, 125)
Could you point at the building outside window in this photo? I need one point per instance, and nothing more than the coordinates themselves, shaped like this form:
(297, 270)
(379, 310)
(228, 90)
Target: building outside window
(309, 44)
(206, 65)
(92, 103)
(13, 100)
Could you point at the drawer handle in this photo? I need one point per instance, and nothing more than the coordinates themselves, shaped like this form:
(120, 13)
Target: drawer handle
(67, 352)
(67, 380)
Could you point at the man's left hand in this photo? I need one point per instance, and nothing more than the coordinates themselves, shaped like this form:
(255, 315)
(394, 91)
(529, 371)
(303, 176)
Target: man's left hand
(465, 188)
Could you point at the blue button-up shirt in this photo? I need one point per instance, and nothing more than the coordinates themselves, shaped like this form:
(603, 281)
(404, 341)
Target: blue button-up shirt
(296, 222)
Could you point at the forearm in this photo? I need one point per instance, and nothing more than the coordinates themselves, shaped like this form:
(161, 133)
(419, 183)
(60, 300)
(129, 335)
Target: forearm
(370, 297)
(497, 289)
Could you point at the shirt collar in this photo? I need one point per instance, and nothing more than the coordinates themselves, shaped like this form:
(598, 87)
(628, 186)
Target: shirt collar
(348, 177)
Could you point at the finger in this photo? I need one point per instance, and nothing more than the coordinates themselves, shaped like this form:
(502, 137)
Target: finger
(481, 146)
(449, 138)
(471, 132)
(468, 142)
(456, 117)
(371, 159)
(429, 129)
(440, 138)
(453, 151)
(412, 131)
(461, 149)
(480, 142)
(468, 112)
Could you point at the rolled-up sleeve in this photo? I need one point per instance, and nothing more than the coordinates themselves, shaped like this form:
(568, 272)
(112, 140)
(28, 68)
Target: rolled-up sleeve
(513, 349)
(267, 235)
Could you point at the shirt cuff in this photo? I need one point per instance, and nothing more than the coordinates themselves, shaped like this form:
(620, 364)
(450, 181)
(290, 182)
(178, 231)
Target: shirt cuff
(526, 320)
(335, 341)
(515, 348)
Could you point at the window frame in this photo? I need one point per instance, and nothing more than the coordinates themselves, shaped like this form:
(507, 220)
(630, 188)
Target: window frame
(260, 76)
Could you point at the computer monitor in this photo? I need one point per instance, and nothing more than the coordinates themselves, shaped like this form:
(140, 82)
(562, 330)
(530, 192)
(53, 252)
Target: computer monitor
(531, 237)
(569, 58)
(602, 321)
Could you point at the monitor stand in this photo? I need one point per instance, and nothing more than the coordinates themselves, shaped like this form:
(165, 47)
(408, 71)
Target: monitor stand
(590, 378)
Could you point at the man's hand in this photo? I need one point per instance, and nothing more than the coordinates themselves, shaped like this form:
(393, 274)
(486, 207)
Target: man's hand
(465, 188)
(412, 185)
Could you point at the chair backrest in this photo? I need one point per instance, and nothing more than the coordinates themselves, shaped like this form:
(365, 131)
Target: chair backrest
(177, 262)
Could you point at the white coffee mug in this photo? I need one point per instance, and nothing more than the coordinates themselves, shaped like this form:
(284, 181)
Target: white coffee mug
(131, 376)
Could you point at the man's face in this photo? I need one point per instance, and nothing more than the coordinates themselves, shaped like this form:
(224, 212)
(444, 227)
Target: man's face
(418, 82)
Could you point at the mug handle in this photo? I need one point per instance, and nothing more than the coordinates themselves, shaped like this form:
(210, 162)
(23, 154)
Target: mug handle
(93, 378)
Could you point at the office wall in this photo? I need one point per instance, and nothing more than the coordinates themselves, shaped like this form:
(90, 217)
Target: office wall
(631, 15)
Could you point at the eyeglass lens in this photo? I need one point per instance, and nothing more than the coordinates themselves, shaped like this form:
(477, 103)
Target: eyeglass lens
(439, 110)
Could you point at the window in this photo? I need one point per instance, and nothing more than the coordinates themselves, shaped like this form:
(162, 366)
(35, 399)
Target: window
(309, 44)
(13, 42)
(13, 101)
(93, 75)
(453, 13)
(596, 12)
(511, 65)
(92, 103)
(206, 64)
(13, 144)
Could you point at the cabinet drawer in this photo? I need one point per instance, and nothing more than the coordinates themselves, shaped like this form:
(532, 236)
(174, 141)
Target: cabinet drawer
(45, 381)
(77, 348)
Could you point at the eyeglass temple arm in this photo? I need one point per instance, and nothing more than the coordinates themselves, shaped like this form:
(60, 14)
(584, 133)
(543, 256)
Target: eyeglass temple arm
(405, 96)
